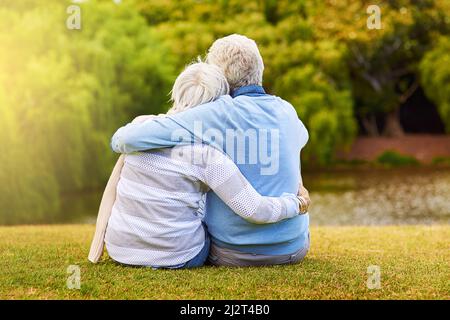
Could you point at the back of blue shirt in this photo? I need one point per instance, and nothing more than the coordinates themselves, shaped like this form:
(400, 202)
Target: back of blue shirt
(264, 138)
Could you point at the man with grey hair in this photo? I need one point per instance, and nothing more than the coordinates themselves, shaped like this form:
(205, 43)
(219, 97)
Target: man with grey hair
(240, 60)
(263, 136)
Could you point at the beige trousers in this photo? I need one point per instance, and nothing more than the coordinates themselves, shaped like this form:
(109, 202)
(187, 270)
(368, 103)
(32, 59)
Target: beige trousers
(219, 256)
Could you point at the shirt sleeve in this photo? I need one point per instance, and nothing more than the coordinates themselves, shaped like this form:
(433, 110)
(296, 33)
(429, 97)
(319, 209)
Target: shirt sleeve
(178, 129)
(222, 175)
(151, 134)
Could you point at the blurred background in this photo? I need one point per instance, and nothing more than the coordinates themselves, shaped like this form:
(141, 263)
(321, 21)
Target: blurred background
(375, 101)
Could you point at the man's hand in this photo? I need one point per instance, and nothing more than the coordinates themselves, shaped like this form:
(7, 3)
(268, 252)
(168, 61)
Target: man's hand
(303, 197)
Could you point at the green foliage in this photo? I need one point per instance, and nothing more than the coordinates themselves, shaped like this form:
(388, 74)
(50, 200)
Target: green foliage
(435, 72)
(394, 159)
(383, 62)
(441, 161)
(64, 92)
(21, 176)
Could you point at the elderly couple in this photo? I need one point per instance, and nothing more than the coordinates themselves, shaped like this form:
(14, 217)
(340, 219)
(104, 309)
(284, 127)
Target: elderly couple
(215, 180)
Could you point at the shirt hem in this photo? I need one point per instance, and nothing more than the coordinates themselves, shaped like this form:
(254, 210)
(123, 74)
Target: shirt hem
(283, 248)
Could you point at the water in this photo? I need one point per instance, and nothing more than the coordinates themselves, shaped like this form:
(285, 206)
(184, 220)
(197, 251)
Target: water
(351, 197)
(380, 197)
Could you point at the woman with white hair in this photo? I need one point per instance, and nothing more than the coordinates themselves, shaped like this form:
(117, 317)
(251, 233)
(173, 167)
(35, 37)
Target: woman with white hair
(150, 213)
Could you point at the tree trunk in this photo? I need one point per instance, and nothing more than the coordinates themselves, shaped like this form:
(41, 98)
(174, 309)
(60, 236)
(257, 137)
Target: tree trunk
(393, 128)
(370, 125)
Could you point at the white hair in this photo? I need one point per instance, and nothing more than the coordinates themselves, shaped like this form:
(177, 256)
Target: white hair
(239, 58)
(199, 83)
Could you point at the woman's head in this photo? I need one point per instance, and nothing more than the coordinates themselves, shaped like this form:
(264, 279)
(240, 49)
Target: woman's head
(199, 83)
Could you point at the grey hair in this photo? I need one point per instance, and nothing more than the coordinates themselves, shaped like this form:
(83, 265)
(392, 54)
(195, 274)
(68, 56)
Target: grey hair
(199, 83)
(239, 58)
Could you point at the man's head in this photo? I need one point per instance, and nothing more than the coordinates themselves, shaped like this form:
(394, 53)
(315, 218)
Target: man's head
(199, 83)
(239, 58)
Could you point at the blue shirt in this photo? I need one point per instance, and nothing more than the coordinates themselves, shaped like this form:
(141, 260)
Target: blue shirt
(263, 136)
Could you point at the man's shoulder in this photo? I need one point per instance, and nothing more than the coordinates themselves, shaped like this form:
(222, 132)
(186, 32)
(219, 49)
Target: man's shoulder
(287, 107)
(285, 103)
(272, 104)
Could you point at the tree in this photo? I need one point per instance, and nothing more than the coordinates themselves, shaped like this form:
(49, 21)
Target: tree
(435, 72)
(64, 92)
(383, 63)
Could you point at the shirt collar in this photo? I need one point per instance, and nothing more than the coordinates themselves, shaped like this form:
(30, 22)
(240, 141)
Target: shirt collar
(252, 90)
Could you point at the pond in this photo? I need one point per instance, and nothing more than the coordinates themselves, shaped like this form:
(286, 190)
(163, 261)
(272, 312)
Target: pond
(380, 197)
(346, 197)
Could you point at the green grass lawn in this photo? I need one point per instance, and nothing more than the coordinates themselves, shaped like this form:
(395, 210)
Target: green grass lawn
(414, 262)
